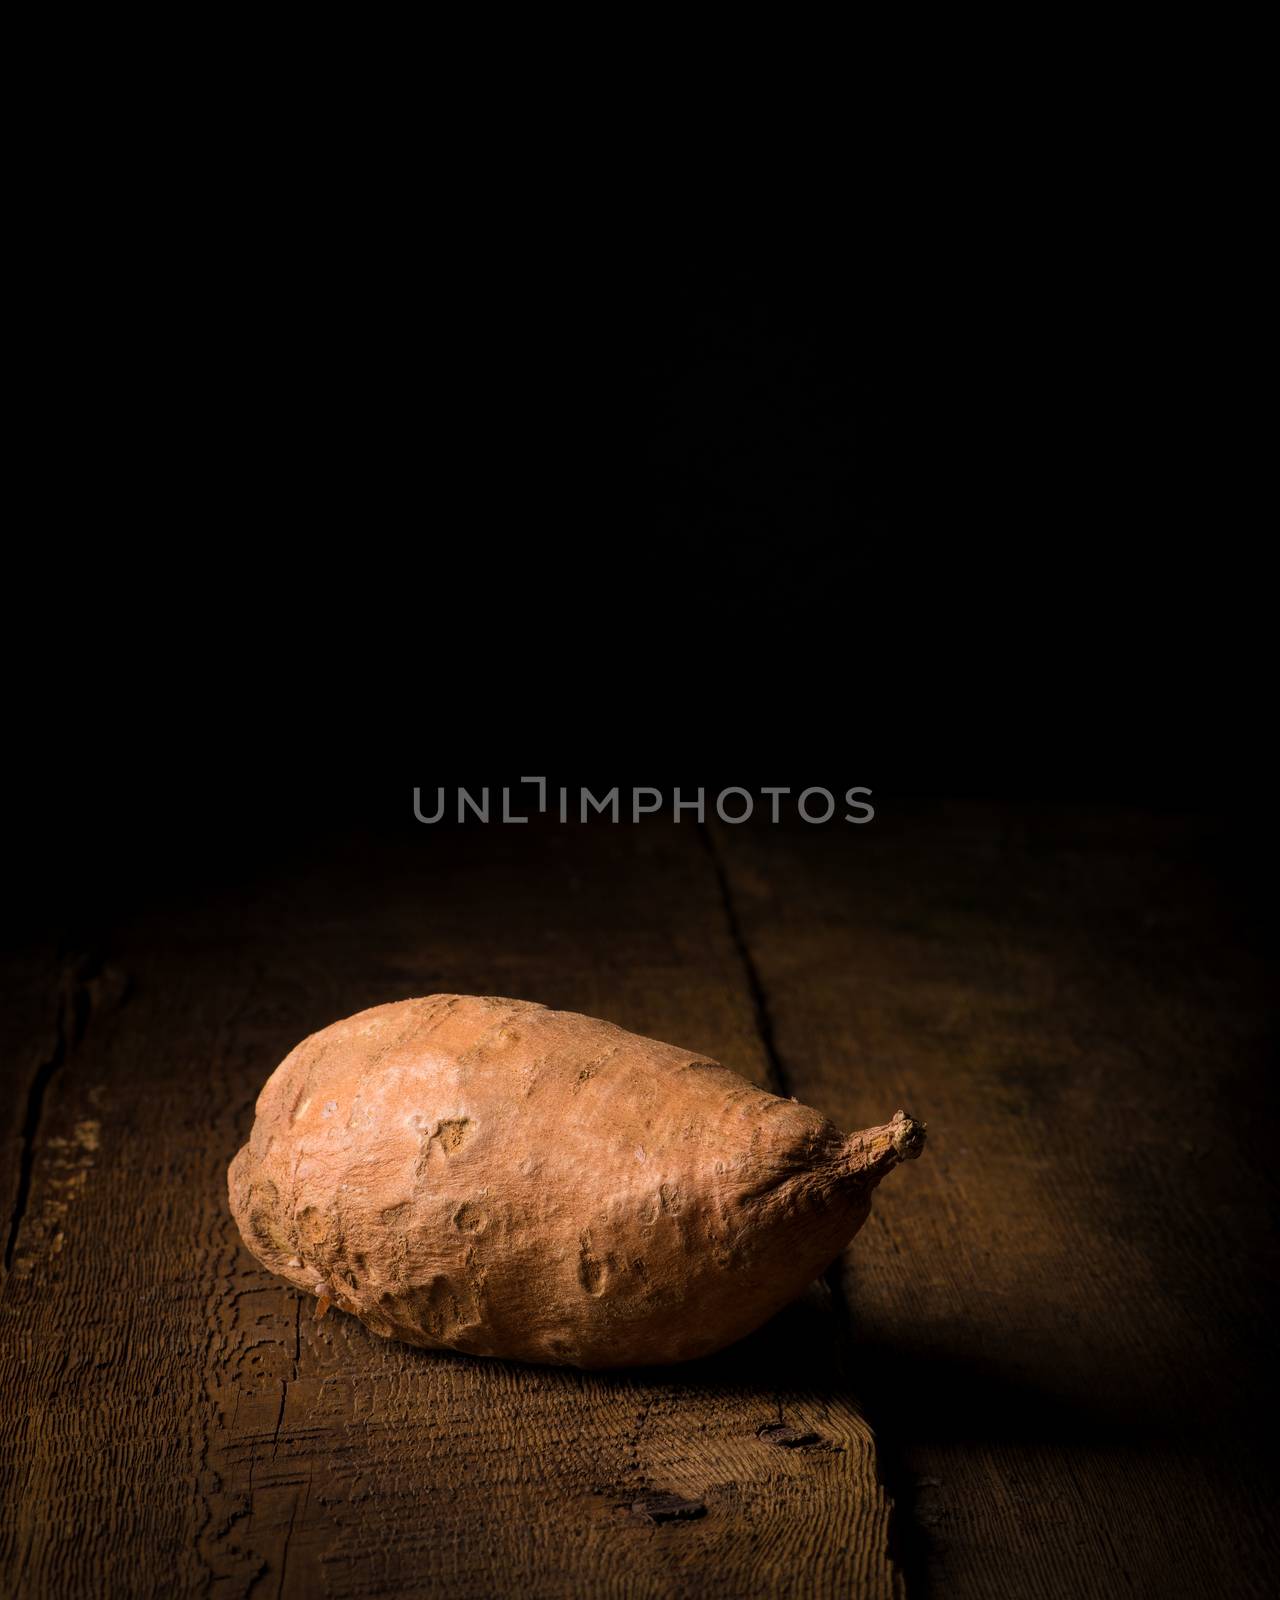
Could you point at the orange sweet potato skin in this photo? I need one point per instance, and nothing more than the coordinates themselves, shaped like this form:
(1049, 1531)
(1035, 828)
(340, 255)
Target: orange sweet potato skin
(491, 1176)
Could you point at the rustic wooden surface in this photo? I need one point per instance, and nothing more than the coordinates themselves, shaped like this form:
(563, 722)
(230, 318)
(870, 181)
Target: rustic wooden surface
(1053, 1321)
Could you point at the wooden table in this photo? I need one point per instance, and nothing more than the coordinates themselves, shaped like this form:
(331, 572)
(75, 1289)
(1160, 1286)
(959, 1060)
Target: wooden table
(1040, 1370)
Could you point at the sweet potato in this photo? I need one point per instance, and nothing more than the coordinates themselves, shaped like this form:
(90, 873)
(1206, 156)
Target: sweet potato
(491, 1176)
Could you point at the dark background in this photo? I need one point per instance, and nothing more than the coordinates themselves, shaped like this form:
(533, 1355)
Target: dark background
(980, 507)
(976, 521)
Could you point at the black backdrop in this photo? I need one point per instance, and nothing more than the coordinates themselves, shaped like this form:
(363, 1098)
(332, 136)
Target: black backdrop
(957, 520)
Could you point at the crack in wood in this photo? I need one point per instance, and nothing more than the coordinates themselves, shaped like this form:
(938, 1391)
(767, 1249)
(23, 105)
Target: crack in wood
(751, 973)
(833, 1277)
(36, 1090)
(71, 1023)
(75, 1006)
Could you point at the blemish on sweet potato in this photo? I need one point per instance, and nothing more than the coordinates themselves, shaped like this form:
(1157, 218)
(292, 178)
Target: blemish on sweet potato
(468, 1218)
(590, 1271)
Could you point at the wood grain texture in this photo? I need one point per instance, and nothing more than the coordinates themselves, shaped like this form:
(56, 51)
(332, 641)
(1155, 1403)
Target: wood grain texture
(175, 1420)
(1060, 1324)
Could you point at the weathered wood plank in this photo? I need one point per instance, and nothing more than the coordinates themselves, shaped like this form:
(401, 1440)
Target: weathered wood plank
(176, 1421)
(1059, 1312)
